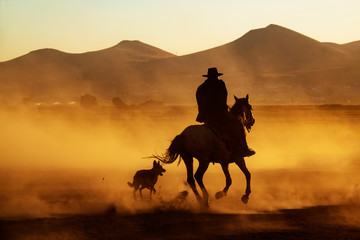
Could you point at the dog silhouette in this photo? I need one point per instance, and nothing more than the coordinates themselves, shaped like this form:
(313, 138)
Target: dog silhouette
(147, 179)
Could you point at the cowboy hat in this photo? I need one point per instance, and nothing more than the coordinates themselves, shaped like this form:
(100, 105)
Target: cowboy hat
(212, 72)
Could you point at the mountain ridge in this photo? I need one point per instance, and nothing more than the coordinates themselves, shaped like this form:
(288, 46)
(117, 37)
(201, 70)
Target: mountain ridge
(274, 64)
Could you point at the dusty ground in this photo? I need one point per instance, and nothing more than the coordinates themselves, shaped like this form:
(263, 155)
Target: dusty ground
(321, 222)
(64, 175)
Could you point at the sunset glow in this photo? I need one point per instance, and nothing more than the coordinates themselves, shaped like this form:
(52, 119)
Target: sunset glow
(178, 27)
(242, 116)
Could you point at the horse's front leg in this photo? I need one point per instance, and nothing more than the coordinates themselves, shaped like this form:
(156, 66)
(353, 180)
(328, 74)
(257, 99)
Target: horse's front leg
(220, 194)
(241, 163)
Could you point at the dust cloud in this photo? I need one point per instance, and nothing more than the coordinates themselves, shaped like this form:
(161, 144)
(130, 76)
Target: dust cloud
(58, 160)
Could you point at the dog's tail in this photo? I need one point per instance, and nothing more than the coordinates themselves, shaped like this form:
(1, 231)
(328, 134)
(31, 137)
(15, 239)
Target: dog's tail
(130, 184)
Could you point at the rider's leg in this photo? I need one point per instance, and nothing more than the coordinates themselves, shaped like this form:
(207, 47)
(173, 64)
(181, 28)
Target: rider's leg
(237, 133)
(245, 150)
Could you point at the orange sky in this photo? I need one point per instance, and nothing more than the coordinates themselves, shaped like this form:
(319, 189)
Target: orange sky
(178, 27)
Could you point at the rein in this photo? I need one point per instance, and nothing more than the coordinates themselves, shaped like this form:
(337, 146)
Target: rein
(239, 112)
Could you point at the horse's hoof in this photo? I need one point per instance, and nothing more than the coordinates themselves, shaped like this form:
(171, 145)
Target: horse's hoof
(199, 199)
(205, 205)
(245, 199)
(220, 194)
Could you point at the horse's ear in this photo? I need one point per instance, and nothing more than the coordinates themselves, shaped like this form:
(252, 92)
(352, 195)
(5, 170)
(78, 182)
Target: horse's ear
(247, 96)
(236, 98)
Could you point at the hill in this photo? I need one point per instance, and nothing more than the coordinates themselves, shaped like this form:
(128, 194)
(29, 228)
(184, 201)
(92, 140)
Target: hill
(274, 64)
(48, 74)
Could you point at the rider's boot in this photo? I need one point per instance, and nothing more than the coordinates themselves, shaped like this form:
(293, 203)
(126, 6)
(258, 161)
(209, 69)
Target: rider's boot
(245, 150)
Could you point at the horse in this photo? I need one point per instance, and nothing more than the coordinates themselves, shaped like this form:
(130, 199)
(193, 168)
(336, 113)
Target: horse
(202, 142)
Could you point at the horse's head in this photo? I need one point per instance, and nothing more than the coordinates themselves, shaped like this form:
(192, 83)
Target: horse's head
(243, 110)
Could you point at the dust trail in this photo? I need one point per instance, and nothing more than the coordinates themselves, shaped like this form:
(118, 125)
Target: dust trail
(78, 161)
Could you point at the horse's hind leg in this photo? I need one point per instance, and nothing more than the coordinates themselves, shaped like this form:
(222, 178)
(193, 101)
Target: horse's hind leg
(203, 166)
(220, 194)
(241, 163)
(188, 160)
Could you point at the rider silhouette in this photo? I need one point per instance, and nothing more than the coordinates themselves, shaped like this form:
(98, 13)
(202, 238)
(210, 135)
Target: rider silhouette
(211, 97)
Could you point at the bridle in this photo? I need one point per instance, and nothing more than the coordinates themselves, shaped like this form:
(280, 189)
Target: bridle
(243, 111)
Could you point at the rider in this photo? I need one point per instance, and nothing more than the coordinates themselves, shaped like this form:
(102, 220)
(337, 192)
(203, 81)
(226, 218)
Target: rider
(211, 97)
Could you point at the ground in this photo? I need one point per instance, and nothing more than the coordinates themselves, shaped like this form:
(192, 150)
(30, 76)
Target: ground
(63, 175)
(320, 222)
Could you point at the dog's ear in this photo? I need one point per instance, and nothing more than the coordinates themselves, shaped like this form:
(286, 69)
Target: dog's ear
(154, 163)
(159, 163)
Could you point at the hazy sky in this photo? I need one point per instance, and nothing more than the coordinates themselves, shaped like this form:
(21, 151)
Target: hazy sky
(180, 27)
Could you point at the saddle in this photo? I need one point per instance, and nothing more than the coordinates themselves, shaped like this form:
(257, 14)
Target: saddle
(223, 135)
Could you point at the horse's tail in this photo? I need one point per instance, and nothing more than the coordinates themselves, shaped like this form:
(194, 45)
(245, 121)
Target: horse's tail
(174, 150)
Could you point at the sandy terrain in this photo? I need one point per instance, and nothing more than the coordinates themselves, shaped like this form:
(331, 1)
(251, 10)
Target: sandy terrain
(322, 222)
(63, 175)
(82, 207)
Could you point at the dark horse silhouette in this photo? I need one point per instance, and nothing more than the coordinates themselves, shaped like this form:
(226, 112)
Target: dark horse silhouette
(202, 143)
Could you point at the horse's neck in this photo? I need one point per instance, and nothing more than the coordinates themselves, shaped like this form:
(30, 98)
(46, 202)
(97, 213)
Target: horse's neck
(240, 116)
(232, 111)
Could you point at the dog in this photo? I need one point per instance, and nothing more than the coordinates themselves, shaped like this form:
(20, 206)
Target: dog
(147, 179)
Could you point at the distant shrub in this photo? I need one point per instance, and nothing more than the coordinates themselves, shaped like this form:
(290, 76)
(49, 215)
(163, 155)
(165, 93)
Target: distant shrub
(151, 103)
(88, 100)
(118, 103)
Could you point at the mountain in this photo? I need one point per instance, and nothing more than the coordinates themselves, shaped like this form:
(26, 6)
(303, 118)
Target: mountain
(353, 47)
(274, 64)
(48, 74)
